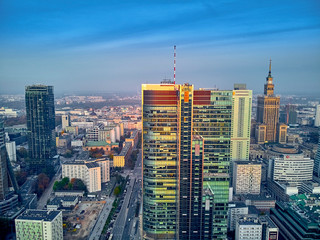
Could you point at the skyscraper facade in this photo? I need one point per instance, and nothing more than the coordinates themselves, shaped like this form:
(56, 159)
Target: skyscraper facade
(241, 123)
(40, 123)
(316, 168)
(4, 177)
(268, 109)
(186, 156)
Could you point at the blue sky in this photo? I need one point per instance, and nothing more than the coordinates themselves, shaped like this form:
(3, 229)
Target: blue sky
(104, 46)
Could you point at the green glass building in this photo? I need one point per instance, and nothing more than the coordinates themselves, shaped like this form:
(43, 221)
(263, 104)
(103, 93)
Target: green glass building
(40, 124)
(186, 156)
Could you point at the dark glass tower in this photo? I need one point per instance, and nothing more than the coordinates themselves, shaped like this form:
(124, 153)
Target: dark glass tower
(41, 124)
(4, 187)
(186, 157)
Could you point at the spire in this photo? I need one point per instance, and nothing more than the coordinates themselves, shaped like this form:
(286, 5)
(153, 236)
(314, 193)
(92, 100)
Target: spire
(269, 69)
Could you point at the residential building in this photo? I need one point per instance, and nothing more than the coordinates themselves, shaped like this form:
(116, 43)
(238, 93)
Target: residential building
(134, 138)
(41, 124)
(248, 229)
(38, 224)
(89, 173)
(299, 218)
(241, 123)
(121, 159)
(246, 177)
(186, 140)
(268, 109)
(235, 210)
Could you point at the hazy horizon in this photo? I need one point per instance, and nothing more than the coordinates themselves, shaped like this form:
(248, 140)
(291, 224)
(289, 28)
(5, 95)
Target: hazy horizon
(94, 45)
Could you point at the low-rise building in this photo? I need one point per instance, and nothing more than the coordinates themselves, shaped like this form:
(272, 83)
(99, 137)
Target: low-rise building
(69, 193)
(62, 202)
(299, 218)
(235, 210)
(248, 229)
(38, 224)
(122, 158)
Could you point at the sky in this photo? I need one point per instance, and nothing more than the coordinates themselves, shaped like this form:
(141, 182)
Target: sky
(106, 46)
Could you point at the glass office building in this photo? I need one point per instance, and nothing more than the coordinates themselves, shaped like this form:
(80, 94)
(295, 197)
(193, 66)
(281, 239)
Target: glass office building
(40, 124)
(186, 156)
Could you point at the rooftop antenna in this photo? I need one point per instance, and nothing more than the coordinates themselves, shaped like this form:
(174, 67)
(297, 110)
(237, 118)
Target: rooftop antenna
(174, 64)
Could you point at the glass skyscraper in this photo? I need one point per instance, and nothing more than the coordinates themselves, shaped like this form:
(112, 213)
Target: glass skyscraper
(186, 157)
(41, 124)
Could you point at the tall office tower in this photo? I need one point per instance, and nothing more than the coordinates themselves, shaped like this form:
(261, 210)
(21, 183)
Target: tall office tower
(291, 114)
(186, 154)
(4, 177)
(241, 122)
(268, 109)
(317, 116)
(41, 124)
(65, 121)
(316, 168)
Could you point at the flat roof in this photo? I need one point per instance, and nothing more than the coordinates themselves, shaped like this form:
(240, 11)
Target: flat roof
(40, 215)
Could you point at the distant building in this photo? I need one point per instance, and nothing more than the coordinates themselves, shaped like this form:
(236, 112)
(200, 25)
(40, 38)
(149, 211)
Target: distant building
(41, 124)
(261, 133)
(299, 218)
(8, 112)
(65, 121)
(248, 229)
(268, 110)
(133, 139)
(291, 114)
(121, 159)
(317, 116)
(316, 168)
(282, 133)
(246, 177)
(38, 224)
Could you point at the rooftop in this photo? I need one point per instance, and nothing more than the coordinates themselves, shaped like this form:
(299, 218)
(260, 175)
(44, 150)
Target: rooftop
(92, 165)
(40, 215)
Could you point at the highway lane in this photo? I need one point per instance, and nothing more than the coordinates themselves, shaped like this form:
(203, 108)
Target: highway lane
(123, 225)
(98, 227)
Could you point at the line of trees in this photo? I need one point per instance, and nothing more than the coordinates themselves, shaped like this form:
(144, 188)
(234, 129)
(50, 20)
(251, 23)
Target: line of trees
(66, 184)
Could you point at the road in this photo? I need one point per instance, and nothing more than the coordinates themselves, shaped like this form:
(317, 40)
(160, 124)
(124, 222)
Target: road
(46, 194)
(124, 223)
(98, 227)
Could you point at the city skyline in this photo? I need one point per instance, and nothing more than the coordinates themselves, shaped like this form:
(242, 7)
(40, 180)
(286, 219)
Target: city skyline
(218, 44)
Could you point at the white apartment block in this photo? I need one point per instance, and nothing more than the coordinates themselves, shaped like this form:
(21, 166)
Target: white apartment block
(292, 168)
(39, 224)
(246, 177)
(248, 229)
(235, 210)
(89, 173)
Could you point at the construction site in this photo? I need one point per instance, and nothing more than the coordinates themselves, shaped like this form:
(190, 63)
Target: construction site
(78, 223)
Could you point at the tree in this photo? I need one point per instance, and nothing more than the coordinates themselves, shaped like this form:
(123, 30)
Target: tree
(117, 191)
(22, 152)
